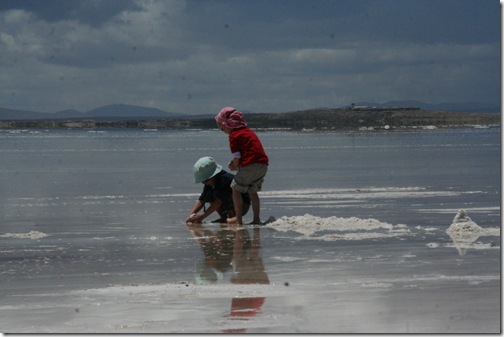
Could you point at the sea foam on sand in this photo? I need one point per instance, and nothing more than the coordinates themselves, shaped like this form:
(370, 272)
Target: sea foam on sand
(34, 235)
(464, 232)
(336, 228)
(462, 225)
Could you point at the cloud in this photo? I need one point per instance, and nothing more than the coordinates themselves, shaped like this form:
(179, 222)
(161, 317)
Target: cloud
(128, 37)
(91, 12)
(195, 56)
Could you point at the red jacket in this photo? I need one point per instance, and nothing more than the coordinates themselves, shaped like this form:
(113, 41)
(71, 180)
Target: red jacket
(246, 142)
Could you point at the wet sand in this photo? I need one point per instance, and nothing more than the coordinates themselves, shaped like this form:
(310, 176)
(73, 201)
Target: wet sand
(382, 278)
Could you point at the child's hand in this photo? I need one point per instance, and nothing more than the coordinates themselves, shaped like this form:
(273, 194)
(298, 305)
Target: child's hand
(194, 218)
(234, 164)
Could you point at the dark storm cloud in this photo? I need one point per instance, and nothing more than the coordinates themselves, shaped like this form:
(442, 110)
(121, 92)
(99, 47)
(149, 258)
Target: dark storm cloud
(299, 23)
(265, 55)
(433, 21)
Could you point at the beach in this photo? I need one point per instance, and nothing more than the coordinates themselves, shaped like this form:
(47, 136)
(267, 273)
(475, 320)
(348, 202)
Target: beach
(373, 233)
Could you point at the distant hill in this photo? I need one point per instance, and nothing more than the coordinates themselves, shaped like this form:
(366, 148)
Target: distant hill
(459, 107)
(132, 112)
(369, 119)
(113, 111)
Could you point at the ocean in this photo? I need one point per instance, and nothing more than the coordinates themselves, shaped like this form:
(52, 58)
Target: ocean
(375, 232)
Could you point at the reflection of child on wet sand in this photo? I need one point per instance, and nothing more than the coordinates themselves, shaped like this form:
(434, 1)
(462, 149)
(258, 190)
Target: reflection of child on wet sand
(225, 248)
(249, 159)
(248, 265)
(230, 247)
(248, 268)
(217, 247)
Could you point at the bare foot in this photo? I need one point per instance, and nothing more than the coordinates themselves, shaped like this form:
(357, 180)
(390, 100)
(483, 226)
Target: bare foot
(232, 220)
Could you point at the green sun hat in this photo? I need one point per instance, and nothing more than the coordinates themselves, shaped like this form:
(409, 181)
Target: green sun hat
(205, 168)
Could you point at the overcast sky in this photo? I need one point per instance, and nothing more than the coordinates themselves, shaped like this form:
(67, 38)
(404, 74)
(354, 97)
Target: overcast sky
(196, 56)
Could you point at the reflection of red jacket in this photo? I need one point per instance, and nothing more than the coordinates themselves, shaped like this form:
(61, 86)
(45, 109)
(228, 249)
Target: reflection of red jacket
(246, 306)
(246, 142)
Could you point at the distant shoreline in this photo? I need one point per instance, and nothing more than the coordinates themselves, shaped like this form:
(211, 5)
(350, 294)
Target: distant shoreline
(306, 120)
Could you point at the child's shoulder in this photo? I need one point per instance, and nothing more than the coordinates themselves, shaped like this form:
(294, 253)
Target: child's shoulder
(241, 131)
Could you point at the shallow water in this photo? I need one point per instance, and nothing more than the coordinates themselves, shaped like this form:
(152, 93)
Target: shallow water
(92, 236)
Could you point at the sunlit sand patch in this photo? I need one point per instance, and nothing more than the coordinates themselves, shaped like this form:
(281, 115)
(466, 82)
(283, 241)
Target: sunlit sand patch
(483, 210)
(354, 236)
(377, 285)
(366, 197)
(416, 280)
(359, 193)
(155, 308)
(287, 258)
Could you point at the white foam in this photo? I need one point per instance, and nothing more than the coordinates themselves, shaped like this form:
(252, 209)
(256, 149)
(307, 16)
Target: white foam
(33, 235)
(464, 232)
(339, 228)
(463, 227)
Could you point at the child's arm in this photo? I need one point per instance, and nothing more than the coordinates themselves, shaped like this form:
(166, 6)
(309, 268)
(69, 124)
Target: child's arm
(198, 205)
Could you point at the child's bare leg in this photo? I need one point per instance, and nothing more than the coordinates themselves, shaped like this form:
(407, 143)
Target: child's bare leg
(238, 206)
(256, 206)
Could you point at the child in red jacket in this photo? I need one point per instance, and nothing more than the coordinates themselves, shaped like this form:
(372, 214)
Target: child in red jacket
(249, 159)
